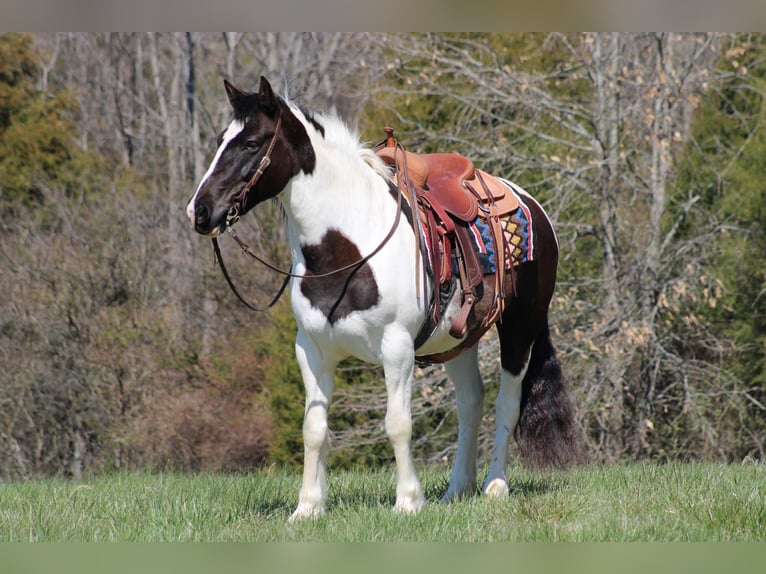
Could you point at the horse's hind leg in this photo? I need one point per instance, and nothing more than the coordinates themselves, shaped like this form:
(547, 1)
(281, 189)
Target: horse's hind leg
(398, 366)
(515, 347)
(463, 370)
(318, 382)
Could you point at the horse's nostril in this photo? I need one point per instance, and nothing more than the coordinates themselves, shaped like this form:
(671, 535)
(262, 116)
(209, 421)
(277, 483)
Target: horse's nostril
(201, 214)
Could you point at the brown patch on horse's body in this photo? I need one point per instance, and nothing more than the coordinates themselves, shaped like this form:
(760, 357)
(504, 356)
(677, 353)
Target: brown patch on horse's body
(342, 293)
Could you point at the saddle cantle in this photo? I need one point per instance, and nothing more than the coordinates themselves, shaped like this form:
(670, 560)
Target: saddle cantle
(450, 193)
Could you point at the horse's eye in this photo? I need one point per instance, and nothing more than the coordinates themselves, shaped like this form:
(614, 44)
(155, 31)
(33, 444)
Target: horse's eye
(252, 145)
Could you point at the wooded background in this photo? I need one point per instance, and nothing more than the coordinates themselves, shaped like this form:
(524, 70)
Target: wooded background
(121, 346)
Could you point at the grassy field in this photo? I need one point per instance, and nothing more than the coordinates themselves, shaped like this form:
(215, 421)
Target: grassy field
(632, 502)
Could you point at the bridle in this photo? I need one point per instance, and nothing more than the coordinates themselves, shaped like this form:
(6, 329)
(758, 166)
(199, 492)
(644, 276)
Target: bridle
(239, 204)
(238, 208)
(233, 216)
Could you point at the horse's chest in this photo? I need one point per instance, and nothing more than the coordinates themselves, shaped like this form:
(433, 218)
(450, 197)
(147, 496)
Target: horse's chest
(337, 294)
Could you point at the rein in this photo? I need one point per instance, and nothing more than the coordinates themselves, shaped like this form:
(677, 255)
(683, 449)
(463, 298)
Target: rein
(234, 215)
(219, 260)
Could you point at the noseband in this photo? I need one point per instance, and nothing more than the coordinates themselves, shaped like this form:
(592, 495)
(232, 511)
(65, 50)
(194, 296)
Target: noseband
(239, 204)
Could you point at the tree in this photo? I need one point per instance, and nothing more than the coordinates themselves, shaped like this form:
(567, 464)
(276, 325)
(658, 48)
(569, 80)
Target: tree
(720, 177)
(37, 129)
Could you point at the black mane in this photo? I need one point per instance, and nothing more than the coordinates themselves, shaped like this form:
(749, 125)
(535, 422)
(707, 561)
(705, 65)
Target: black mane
(312, 120)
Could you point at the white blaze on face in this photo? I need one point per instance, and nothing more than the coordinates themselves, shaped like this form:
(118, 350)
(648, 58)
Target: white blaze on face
(231, 132)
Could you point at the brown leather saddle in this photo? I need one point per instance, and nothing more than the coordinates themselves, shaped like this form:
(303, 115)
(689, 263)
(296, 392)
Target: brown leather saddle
(450, 193)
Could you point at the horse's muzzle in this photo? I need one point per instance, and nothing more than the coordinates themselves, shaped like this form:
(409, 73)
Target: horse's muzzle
(201, 220)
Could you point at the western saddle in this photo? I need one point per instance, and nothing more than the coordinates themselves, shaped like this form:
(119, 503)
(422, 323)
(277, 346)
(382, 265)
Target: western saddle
(450, 193)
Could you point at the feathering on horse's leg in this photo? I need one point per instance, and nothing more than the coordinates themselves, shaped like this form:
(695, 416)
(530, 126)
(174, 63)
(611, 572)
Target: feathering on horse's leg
(317, 375)
(398, 364)
(463, 370)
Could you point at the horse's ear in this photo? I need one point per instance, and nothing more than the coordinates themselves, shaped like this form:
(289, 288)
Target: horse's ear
(235, 94)
(266, 96)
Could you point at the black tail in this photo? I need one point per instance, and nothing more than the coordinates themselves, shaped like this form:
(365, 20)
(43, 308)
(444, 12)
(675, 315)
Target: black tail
(547, 433)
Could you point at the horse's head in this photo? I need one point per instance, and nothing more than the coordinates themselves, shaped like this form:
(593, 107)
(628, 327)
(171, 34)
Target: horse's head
(263, 147)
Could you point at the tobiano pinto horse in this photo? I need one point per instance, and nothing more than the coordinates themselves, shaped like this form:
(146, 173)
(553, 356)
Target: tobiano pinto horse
(370, 279)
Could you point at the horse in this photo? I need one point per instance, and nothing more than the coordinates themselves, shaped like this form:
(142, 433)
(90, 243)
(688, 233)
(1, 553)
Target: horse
(357, 289)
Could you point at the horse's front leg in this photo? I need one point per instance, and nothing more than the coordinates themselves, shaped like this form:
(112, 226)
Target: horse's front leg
(398, 365)
(317, 374)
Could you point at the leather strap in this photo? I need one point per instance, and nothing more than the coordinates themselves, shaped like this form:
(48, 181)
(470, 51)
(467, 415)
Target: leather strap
(219, 260)
(239, 205)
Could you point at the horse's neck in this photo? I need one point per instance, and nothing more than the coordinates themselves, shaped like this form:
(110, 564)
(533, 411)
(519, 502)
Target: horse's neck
(352, 199)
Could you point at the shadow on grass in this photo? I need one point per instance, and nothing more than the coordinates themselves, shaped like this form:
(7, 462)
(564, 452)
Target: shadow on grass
(531, 486)
(372, 490)
(435, 489)
(274, 497)
(271, 508)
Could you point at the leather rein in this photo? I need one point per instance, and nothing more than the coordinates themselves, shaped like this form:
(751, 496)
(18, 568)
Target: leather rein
(238, 208)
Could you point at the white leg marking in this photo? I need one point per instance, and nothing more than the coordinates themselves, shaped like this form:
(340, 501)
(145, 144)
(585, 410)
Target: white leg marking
(318, 381)
(507, 410)
(398, 365)
(463, 370)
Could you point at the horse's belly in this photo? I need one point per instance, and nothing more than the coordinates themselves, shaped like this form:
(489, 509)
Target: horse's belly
(360, 332)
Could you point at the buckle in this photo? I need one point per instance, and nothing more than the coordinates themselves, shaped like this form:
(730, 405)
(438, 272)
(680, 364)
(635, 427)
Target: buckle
(233, 216)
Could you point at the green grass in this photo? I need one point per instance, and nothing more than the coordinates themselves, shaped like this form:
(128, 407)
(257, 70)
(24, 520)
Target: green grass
(631, 502)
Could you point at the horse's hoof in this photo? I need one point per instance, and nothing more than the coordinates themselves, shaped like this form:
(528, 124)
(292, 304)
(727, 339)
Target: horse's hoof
(459, 493)
(497, 488)
(448, 497)
(305, 511)
(409, 505)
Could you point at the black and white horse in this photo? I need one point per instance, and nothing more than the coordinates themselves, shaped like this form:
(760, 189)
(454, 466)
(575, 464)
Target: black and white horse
(338, 199)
